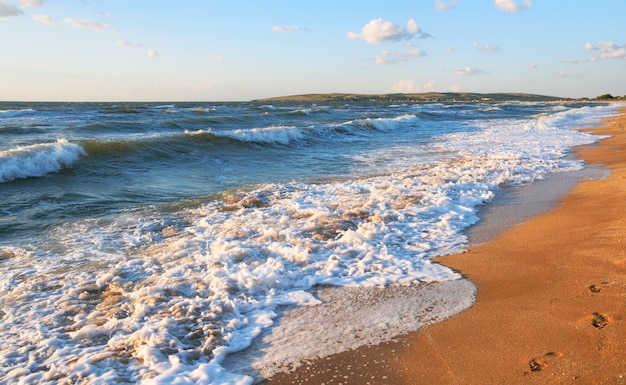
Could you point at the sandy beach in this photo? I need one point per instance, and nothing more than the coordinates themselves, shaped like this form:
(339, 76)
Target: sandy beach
(550, 306)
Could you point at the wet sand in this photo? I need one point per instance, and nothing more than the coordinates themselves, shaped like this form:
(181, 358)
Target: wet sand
(551, 302)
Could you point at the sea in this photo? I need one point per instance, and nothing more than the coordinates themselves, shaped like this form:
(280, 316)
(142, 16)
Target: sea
(154, 243)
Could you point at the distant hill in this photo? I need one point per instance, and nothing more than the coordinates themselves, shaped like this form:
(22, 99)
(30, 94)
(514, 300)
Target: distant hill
(421, 97)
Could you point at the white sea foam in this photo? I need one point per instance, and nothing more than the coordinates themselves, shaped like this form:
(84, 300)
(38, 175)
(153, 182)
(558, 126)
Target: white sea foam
(37, 160)
(384, 124)
(13, 112)
(272, 135)
(304, 111)
(200, 109)
(150, 299)
(348, 318)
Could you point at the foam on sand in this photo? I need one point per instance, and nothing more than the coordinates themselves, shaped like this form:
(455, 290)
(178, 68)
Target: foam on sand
(348, 318)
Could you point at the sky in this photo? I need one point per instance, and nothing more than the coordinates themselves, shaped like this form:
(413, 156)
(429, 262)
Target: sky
(238, 50)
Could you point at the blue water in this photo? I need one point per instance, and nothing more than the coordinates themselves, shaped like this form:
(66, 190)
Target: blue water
(153, 239)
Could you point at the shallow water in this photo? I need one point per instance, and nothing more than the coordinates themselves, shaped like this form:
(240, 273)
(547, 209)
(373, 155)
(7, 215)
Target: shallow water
(516, 204)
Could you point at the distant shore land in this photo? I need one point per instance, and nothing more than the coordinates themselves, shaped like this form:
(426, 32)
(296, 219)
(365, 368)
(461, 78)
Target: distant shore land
(425, 97)
(431, 97)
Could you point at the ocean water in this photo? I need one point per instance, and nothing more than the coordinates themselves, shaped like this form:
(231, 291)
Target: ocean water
(149, 243)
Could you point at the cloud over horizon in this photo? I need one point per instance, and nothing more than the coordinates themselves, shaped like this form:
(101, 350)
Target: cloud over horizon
(378, 31)
(512, 6)
(387, 57)
(468, 71)
(412, 86)
(129, 44)
(32, 3)
(44, 19)
(606, 50)
(87, 24)
(294, 28)
(486, 48)
(441, 5)
(8, 10)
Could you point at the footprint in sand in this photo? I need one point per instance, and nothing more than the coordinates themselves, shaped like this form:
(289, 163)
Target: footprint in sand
(595, 288)
(599, 287)
(600, 320)
(539, 364)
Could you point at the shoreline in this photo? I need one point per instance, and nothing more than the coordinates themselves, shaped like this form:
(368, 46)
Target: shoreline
(514, 205)
(550, 303)
(348, 318)
(409, 307)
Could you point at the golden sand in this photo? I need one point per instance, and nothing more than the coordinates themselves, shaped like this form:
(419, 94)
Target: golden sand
(551, 306)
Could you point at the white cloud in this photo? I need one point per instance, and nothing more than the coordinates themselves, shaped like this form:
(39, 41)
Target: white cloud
(412, 86)
(32, 3)
(412, 27)
(561, 74)
(87, 24)
(532, 66)
(406, 86)
(387, 57)
(7, 10)
(129, 44)
(220, 59)
(450, 50)
(441, 5)
(429, 86)
(379, 31)
(610, 50)
(152, 53)
(45, 19)
(605, 50)
(512, 6)
(295, 28)
(486, 48)
(467, 71)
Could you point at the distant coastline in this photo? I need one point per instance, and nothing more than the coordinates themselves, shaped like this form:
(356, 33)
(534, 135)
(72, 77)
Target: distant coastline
(416, 97)
(425, 97)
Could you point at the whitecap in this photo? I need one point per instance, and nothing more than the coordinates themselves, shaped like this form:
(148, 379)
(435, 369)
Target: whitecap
(38, 159)
(269, 135)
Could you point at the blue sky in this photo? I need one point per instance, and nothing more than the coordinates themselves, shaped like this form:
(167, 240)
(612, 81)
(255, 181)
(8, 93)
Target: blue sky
(139, 50)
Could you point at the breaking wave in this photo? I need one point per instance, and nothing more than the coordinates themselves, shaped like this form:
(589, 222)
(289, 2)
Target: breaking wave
(38, 160)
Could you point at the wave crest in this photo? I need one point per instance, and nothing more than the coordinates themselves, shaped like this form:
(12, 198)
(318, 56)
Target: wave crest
(266, 135)
(38, 159)
(384, 124)
(11, 113)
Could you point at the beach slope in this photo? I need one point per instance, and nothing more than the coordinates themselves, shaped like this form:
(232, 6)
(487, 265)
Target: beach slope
(551, 303)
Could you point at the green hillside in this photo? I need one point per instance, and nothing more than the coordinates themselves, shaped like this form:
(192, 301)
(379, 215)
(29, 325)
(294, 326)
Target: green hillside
(421, 97)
